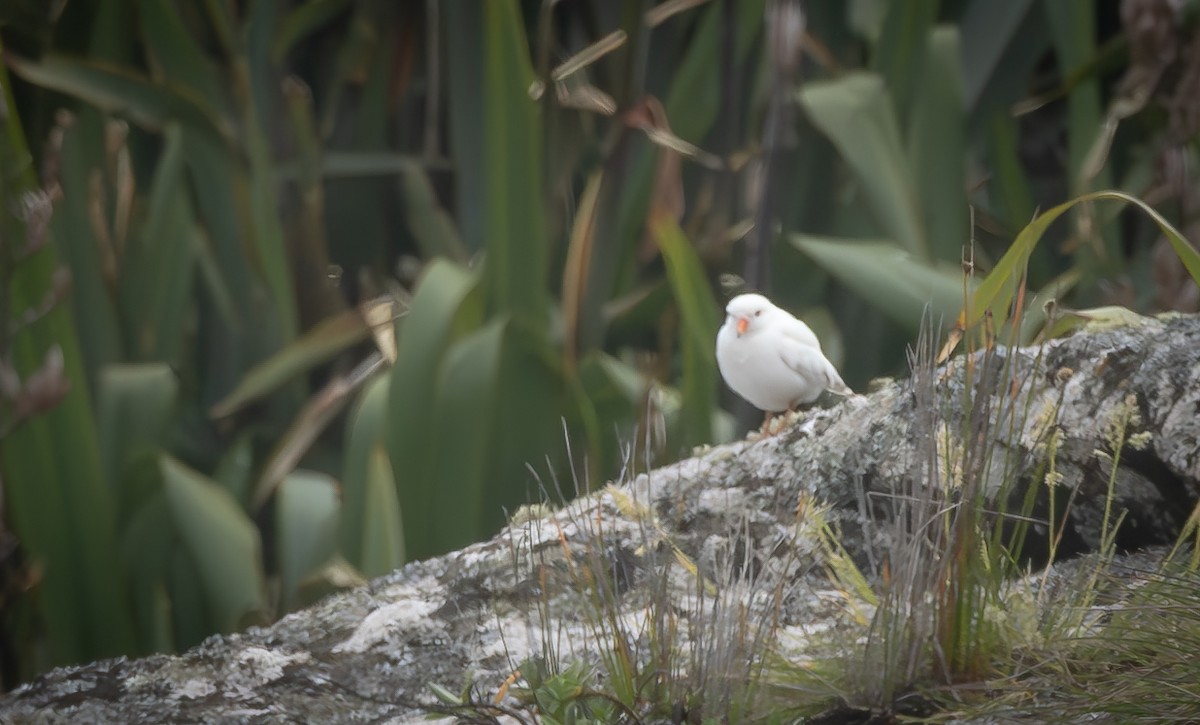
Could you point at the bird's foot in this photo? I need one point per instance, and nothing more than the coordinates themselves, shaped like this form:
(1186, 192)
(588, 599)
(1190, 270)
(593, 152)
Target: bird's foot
(774, 424)
(765, 430)
(786, 420)
(791, 417)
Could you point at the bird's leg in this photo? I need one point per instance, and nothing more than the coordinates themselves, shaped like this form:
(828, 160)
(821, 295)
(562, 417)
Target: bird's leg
(765, 430)
(785, 419)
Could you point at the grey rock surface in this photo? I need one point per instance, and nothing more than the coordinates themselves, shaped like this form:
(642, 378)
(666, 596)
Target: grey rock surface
(736, 523)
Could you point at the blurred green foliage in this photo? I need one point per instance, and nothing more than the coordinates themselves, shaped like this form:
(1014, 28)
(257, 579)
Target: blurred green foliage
(346, 276)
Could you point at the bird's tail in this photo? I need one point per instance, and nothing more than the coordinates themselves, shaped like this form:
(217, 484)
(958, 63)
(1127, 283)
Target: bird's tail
(842, 389)
(834, 381)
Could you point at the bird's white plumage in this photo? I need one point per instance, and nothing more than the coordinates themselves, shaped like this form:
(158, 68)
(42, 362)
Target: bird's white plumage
(775, 361)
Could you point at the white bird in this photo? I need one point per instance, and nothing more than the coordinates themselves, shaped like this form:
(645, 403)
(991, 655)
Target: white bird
(772, 359)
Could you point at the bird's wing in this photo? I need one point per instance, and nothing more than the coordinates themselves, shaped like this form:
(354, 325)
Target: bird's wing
(794, 329)
(809, 362)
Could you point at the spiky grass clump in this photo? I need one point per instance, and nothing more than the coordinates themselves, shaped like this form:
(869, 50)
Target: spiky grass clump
(955, 528)
(655, 635)
(1143, 664)
(694, 647)
(953, 607)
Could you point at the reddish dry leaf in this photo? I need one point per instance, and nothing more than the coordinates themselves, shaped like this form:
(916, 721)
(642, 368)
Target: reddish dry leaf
(666, 197)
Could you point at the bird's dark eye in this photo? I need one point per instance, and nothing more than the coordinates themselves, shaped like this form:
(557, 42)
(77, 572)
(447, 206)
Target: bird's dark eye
(758, 313)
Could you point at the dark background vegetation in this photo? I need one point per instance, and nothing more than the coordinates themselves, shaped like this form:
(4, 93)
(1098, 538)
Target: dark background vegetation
(216, 213)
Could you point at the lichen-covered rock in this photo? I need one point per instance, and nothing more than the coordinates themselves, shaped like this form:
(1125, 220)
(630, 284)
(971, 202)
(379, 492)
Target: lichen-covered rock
(735, 524)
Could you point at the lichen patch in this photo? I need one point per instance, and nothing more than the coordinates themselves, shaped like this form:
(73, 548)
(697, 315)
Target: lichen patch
(403, 615)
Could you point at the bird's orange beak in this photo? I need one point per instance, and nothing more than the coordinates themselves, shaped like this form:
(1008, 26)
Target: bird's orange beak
(742, 324)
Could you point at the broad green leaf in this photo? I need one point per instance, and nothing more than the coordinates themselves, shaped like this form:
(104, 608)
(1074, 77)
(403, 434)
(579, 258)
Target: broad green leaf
(234, 255)
(995, 293)
(856, 113)
(190, 610)
(212, 285)
(257, 31)
(900, 56)
(497, 145)
(865, 17)
(527, 423)
(359, 227)
(937, 144)
(890, 278)
(306, 519)
(221, 540)
(694, 98)
(341, 164)
(497, 406)
(626, 380)
(363, 54)
(382, 520)
(310, 17)
(266, 229)
(700, 319)
(119, 90)
(448, 303)
(154, 617)
(314, 347)
(371, 534)
(112, 35)
(463, 420)
(133, 412)
(428, 222)
(157, 267)
(307, 245)
(56, 499)
(99, 329)
(609, 394)
(176, 55)
(221, 16)
(255, 331)
(637, 310)
(147, 544)
(1009, 189)
(1067, 321)
(298, 104)
(1073, 29)
(235, 469)
(991, 28)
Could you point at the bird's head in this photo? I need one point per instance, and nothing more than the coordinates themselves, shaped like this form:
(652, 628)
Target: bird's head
(744, 311)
